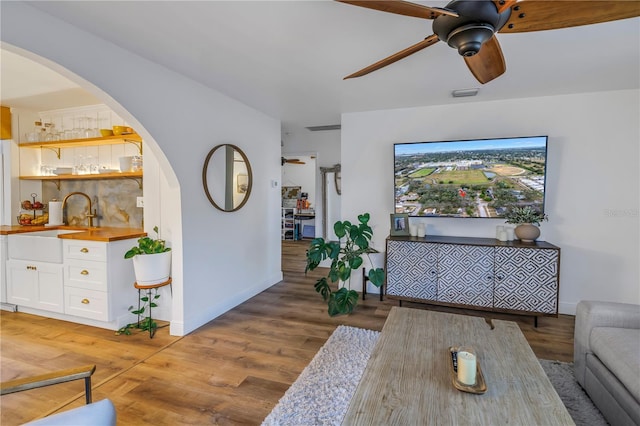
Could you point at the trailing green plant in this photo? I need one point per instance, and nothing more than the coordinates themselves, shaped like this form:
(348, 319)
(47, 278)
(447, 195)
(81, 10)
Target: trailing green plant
(147, 323)
(147, 245)
(525, 214)
(346, 255)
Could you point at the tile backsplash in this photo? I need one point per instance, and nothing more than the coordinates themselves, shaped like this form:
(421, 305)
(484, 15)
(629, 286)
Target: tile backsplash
(114, 199)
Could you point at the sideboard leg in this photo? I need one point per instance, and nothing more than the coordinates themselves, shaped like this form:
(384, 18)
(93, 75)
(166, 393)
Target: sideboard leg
(535, 321)
(364, 284)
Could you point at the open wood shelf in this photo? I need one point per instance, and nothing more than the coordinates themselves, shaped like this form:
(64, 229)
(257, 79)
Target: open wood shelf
(133, 138)
(137, 176)
(115, 175)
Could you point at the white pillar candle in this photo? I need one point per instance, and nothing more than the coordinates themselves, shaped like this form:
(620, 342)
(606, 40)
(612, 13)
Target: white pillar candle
(413, 230)
(422, 230)
(510, 233)
(467, 368)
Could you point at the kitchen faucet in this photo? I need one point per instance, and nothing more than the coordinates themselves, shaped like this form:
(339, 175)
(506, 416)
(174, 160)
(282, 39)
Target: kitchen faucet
(91, 214)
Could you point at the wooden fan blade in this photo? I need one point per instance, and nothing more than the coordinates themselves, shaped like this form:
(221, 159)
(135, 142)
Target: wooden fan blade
(502, 5)
(539, 15)
(400, 7)
(488, 63)
(432, 39)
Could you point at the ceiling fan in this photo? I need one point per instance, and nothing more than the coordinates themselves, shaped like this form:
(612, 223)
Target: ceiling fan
(284, 161)
(470, 26)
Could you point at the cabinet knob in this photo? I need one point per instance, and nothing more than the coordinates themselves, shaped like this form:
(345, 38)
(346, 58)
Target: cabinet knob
(84, 272)
(85, 301)
(84, 250)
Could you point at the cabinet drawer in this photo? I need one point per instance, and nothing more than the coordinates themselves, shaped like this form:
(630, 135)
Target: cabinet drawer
(86, 274)
(86, 303)
(82, 249)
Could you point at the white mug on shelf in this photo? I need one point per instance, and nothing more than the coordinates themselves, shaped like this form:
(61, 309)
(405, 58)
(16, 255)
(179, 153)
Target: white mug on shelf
(126, 164)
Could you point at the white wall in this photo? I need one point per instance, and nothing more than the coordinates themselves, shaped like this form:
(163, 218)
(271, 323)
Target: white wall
(593, 181)
(181, 121)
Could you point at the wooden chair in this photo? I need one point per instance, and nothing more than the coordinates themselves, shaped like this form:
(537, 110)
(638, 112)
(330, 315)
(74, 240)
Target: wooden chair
(101, 413)
(62, 376)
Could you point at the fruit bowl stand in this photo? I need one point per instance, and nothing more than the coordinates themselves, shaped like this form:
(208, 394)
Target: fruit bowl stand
(28, 214)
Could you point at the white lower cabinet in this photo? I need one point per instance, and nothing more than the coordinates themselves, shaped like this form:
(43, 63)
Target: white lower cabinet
(93, 285)
(86, 303)
(98, 281)
(36, 285)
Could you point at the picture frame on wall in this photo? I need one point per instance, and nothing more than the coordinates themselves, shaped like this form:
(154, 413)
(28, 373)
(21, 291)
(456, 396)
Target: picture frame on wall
(399, 224)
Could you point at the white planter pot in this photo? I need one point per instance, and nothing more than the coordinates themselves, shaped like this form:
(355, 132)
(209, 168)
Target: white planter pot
(152, 268)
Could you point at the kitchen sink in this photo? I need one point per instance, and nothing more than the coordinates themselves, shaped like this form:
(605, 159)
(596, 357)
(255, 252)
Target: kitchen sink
(38, 246)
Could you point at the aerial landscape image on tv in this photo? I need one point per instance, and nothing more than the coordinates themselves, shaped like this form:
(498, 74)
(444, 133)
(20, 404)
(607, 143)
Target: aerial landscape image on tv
(473, 178)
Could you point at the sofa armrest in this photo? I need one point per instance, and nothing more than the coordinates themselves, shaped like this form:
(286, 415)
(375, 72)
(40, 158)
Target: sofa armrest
(590, 314)
(101, 413)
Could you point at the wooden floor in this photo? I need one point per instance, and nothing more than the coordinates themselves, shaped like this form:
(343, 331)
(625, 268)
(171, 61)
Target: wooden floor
(232, 370)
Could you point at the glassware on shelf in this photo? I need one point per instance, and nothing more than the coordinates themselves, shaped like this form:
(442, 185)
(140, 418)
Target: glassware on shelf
(136, 163)
(88, 131)
(78, 128)
(80, 166)
(92, 166)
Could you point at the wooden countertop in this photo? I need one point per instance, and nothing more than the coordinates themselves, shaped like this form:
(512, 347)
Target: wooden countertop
(105, 234)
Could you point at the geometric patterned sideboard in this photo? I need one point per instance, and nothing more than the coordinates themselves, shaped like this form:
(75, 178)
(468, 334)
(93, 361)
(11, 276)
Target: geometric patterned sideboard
(476, 273)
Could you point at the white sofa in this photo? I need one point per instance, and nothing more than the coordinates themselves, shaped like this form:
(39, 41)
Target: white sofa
(607, 358)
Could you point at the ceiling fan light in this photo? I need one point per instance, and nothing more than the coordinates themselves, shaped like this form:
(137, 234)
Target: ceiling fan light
(468, 39)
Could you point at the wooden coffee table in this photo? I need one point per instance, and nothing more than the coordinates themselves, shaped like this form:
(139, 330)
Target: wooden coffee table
(408, 381)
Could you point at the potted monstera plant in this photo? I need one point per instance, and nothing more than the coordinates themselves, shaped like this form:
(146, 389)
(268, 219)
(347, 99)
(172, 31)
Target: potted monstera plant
(528, 219)
(346, 255)
(151, 260)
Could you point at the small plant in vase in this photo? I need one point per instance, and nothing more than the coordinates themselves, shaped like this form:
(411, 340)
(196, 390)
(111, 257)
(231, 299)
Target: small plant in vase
(152, 268)
(346, 255)
(151, 260)
(528, 219)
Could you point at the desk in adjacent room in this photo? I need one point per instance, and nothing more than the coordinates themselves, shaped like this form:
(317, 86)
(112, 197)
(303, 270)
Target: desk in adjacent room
(298, 218)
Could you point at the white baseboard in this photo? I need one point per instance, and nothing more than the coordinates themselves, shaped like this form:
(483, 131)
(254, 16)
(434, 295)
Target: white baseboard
(9, 307)
(567, 308)
(179, 328)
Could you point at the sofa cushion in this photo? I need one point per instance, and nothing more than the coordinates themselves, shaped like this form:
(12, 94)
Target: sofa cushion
(619, 350)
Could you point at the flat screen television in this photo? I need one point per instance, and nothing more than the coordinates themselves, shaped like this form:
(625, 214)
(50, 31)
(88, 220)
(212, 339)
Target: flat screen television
(480, 178)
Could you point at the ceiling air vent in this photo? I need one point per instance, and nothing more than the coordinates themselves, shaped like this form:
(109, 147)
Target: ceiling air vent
(463, 93)
(326, 127)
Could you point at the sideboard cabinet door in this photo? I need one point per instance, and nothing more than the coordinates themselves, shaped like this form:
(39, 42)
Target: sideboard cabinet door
(412, 270)
(526, 279)
(465, 274)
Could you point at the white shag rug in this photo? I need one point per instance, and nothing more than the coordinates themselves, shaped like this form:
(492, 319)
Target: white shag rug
(578, 403)
(321, 394)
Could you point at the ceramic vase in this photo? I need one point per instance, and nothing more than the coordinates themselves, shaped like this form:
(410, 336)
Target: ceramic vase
(527, 233)
(152, 268)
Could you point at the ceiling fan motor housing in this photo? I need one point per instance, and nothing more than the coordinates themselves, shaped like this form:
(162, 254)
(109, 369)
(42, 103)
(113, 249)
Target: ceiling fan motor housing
(477, 23)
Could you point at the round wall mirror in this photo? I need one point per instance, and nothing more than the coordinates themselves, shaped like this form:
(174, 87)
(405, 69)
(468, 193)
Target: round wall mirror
(227, 177)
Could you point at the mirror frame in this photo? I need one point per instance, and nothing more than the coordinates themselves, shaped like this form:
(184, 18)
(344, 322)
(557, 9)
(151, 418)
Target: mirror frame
(249, 173)
(336, 172)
